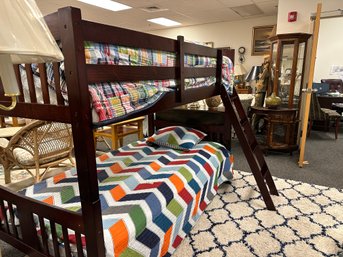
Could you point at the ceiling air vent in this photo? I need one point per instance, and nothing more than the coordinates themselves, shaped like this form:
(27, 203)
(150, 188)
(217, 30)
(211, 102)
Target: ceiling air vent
(247, 10)
(153, 9)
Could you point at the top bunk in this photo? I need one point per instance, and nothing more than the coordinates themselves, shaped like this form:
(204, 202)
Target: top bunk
(120, 73)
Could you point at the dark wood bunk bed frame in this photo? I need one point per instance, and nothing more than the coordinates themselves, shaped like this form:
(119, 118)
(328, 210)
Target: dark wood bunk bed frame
(71, 31)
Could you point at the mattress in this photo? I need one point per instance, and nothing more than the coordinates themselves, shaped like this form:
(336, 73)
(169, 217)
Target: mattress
(150, 196)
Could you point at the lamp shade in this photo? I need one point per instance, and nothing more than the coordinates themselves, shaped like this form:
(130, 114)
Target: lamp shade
(239, 70)
(25, 38)
(253, 73)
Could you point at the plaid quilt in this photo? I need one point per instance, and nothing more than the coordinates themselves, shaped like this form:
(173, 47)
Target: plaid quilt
(111, 100)
(100, 53)
(150, 196)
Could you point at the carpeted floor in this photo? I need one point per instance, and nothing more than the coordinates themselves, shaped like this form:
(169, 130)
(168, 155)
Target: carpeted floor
(308, 222)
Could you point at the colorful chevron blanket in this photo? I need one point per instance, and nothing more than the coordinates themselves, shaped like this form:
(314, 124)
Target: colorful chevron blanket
(150, 196)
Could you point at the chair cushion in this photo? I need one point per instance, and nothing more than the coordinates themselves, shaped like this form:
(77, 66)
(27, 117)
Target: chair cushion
(26, 158)
(3, 142)
(177, 137)
(330, 113)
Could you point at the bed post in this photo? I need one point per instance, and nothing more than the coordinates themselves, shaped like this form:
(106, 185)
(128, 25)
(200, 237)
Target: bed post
(79, 103)
(180, 75)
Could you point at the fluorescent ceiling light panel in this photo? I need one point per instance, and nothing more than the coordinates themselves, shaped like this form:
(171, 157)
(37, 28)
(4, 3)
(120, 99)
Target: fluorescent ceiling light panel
(107, 4)
(164, 22)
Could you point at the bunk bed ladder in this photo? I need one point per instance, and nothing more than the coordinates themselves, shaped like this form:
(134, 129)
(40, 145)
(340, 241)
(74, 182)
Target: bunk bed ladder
(251, 149)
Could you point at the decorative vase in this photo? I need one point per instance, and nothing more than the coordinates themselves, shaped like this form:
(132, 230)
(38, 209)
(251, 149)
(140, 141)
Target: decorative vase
(213, 102)
(273, 101)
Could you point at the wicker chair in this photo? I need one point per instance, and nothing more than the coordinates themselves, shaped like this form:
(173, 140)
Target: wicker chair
(38, 145)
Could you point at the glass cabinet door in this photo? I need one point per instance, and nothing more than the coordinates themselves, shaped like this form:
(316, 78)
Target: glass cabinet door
(273, 65)
(287, 58)
(285, 74)
(299, 72)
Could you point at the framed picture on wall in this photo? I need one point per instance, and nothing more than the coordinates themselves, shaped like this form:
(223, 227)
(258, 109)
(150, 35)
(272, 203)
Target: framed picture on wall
(260, 40)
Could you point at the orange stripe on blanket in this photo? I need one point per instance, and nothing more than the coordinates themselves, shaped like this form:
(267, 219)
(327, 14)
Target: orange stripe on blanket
(117, 193)
(197, 198)
(210, 149)
(120, 237)
(103, 157)
(177, 182)
(49, 200)
(155, 166)
(59, 177)
(116, 168)
(166, 241)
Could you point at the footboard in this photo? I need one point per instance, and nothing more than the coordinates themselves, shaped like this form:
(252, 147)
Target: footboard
(39, 229)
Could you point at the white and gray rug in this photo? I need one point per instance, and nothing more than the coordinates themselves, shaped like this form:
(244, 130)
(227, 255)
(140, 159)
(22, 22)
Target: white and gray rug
(308, 222)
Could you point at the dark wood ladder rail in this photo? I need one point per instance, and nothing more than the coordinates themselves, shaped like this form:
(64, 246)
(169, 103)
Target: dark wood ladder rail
(251, 149)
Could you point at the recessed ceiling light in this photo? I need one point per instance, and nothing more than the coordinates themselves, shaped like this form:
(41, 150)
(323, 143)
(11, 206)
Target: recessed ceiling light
(164, 22)
(107, 4)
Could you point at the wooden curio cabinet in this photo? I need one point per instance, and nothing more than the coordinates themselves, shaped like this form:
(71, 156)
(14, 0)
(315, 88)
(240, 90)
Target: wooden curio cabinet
(288, 52)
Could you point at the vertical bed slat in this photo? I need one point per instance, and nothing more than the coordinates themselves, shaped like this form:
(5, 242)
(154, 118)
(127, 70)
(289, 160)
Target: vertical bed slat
(79, 245)
(54, 239)
(44, 83)
(44, 235)
(66, 242)
(3, 212)
(30, 82)
(20, 83)
(60, 100)
(12, 220)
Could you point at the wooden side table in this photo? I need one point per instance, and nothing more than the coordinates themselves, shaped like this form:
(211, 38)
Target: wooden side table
(282, 126)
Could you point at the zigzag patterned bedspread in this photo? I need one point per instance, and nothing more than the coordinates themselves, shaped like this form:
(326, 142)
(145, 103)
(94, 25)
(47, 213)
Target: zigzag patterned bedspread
(150, 196)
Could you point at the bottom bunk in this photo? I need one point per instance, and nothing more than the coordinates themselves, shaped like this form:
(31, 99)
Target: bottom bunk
(150, 195)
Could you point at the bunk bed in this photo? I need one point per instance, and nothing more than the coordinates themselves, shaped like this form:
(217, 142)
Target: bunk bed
(37, 225)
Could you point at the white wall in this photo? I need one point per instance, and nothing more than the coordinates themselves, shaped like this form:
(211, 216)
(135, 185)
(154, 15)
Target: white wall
(304, 8)
(224, 34)
(330, 50)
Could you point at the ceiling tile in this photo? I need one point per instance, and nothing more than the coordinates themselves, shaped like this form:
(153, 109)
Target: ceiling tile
(188, 12)
(234, 3)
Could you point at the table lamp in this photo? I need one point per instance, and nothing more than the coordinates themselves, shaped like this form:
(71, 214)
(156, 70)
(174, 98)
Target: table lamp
(252, 76)
(239, 72)
(25, 38)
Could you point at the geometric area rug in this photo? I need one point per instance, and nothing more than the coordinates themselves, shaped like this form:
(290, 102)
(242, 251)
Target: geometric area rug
(308, 222)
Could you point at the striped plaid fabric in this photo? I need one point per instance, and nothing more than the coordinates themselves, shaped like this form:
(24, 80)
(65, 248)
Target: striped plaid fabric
(97, 53)
(112, 100)
(227, 74)
(150, 197)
